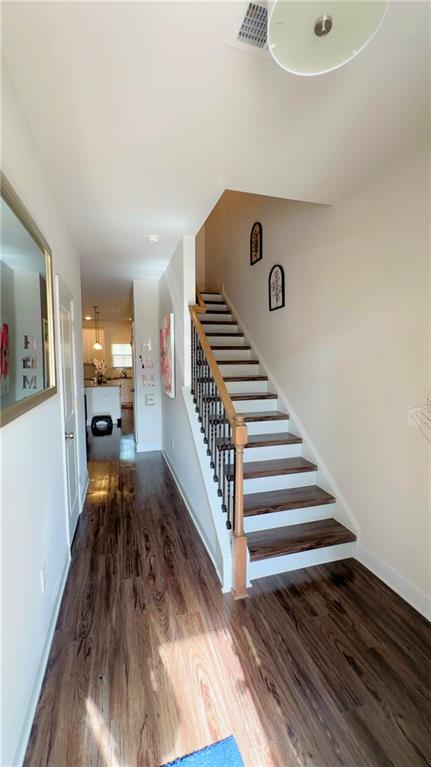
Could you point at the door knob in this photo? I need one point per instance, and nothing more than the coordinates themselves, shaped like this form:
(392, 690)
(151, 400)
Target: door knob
(69, 435)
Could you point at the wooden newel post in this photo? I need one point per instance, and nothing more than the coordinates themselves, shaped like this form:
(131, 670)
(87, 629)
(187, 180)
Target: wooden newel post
(239, 439)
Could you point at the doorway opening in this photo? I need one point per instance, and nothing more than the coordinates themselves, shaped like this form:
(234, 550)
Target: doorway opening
(108, 382)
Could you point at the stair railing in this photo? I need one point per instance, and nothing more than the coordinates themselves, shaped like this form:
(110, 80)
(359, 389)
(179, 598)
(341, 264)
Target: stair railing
(225, 435)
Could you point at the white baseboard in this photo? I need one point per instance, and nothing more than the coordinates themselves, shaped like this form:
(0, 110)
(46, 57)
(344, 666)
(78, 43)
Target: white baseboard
(41, 666)
(411, 594)
(148, 447)
(84, 491)
(193, 517)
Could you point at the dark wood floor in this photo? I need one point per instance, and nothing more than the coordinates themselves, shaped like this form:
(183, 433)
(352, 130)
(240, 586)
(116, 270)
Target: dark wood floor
(318, 668)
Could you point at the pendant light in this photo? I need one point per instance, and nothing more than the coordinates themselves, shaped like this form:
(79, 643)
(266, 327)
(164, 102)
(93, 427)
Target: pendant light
(311, 38)
(97, 346)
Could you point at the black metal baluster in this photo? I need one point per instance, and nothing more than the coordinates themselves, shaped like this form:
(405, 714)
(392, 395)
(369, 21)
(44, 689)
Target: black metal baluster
(225, 453)
(221, 444)
(205, 390)
(229, 483)
(200, 386)
(210, 407)
(194, 363)
(211, 419)
(216, 431)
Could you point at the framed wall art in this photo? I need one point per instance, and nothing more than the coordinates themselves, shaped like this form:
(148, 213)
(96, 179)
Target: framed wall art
(276, 288)
(167, 354)
(256, 242)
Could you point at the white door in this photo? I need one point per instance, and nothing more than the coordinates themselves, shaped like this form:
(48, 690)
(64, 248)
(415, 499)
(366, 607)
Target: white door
(67, 350)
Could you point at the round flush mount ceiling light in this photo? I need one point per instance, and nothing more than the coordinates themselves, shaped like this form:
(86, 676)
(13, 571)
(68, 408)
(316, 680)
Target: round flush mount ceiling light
(312, 37)
(153, 238)
(88, 317)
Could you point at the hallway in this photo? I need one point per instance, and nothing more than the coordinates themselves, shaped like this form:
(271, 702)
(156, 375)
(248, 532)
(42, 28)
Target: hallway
(150, 661)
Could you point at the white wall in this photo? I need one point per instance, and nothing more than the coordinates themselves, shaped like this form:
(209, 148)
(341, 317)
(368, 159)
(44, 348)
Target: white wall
(351, 350)
(33, 514)
(147, 404)
(177, 291)
(200, 258)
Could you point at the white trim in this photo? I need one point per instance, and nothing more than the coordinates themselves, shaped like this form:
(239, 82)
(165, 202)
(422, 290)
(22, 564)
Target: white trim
(345, 514)
(84, 491)
(61, 287)
(193, 517)
(406, 590)
(148, 447)
(43, 655)
(287, 562)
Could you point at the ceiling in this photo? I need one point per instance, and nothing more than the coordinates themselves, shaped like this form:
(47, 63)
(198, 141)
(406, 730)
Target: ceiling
(143, 115)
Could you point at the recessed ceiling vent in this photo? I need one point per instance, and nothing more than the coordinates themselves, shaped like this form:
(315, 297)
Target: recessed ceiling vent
(254, 25)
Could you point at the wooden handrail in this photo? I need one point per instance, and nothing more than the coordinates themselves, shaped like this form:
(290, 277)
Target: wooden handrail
(233, 417)
(201, 305)
(239, 441)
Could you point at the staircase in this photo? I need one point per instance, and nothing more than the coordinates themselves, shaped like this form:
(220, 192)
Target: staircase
(286, 520)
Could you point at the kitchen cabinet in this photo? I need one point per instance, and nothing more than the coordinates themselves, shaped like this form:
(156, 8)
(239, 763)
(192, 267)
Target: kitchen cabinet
(126, 387)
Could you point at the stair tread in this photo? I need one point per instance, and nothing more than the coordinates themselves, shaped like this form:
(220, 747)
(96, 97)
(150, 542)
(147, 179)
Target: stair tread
(253, 395)
(237, 362)
(265, 415)
(212, 302)
(241, 379)
(228, 349)
(274, 467)
(219, 322)
(286, 499)
(222, 335)
(278, 438)
(218, 311)
(266, 440)
(232, 379)
(295, 538)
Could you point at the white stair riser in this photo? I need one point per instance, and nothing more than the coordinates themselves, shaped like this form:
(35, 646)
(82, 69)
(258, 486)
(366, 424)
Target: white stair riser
(288, 517)
(226, 340)
(236, 353)
(243, 387)
(215, 316)
(279, 482)
(217, 308)
(220, 328)
(271, 452)
(274, 565)
(267, 427)
(256, 406)
(239, 370)
(212, 296)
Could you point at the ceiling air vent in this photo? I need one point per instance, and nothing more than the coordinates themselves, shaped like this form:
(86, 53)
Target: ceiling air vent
(254, 25)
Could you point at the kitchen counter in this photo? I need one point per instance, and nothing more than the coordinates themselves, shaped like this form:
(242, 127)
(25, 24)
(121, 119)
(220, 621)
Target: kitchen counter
(90, 382)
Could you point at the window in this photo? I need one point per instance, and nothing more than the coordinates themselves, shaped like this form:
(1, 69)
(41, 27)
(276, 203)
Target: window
(121, 355)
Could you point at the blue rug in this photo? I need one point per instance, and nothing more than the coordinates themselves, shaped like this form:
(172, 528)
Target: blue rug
(222, 754)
